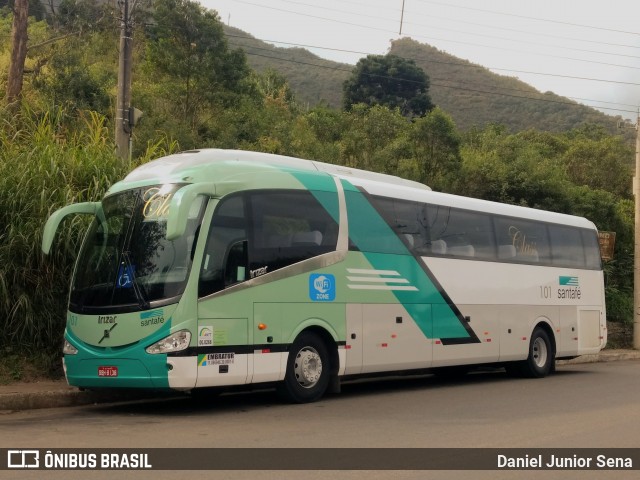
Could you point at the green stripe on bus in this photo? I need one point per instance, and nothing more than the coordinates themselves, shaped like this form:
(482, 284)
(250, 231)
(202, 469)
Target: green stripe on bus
(372, 235)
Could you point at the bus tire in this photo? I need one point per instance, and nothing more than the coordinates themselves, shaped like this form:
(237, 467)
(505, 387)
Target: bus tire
(541, 359)
(308, 370)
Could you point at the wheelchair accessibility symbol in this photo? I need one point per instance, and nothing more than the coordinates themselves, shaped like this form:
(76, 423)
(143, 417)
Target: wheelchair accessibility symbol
(125, 276)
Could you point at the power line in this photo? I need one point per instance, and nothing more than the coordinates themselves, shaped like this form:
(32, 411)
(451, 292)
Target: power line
(529, 53)
(604, 101)
(436, 38)
(538, 34)
(406, 22)
(558, 22)
(493, 27)
(338, 67)
(469, 65)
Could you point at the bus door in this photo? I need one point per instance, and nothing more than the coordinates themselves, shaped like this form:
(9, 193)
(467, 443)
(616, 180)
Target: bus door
(223, 335)
(223, 319)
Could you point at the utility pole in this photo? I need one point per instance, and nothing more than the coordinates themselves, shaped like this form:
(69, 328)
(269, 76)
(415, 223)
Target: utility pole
(123, 102)
(401, 18)
(636, 250)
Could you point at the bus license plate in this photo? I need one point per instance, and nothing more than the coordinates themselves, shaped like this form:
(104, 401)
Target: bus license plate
(107, 371)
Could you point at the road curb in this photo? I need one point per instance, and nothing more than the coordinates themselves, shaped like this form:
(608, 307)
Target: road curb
(51, 399)
(605, 356)
(72, 398)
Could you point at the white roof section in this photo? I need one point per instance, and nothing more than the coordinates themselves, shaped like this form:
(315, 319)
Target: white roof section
(468, 203)
(171, 166)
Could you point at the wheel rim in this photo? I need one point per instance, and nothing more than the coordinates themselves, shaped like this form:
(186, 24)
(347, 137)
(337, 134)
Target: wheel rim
(539, 352)
(308, 367)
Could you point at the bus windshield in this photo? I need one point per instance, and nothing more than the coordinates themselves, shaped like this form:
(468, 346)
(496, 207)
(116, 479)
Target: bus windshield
(126, 262)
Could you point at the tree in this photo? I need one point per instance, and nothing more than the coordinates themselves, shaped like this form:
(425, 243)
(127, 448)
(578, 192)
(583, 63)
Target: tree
(370, 138)
(600, 162)
(317, 134)
(18, 51)
(188, 55)
(436, 147)
(390, 81)
(511, 169)
(69, 82)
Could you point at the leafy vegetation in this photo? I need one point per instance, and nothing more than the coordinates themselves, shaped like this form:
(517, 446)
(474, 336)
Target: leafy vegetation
(390, 81)
(197, 90)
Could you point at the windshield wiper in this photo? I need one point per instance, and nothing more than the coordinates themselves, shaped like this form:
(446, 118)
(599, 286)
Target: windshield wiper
(128, 266)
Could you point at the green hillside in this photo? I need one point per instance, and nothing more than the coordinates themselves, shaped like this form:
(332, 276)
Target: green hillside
(474, 95)
(313, 79)
(471, 94)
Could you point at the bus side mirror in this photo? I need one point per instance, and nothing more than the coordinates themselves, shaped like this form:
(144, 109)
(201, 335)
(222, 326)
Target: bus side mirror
(181, 204)
(53, 222)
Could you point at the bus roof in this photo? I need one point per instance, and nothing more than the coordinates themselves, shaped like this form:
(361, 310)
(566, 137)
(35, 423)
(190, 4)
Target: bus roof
(173, 166)
(201, 164)
(469, 203)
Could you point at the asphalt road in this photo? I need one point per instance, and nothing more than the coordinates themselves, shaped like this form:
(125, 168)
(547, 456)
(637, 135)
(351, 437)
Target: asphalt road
(581, 406)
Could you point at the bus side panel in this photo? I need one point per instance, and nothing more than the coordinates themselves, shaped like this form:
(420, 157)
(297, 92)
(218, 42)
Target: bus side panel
(392, 339)
(269, 358)
(567, 345)
(515, 331)
(276, 326)
(355, 337)
(484, 322)
(591, 331)
(519, 296)
(223, 357)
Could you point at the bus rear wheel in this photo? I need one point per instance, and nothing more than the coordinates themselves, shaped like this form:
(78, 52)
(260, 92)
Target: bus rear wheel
(541, 359)
(307, 375)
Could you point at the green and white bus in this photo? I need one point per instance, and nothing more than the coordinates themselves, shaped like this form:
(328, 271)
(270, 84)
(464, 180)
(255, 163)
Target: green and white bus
(219, 268)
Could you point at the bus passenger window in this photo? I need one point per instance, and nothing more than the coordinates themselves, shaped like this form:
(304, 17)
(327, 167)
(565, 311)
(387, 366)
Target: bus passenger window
(521, 240)
(406, 219)
(591, 249)
(566, 246)
(460, 233)
(287, 227)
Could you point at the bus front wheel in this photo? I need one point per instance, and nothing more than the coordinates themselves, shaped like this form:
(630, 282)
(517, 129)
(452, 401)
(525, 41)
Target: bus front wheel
(307, 375)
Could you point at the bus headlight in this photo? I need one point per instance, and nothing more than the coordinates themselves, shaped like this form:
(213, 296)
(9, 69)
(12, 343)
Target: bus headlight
(173, 343)
(69, 349)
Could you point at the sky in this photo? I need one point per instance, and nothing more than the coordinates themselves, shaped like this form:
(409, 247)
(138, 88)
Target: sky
(587, 50)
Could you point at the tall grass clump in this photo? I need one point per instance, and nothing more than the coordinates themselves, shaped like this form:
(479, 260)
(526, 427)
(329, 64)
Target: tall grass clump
(47, 160)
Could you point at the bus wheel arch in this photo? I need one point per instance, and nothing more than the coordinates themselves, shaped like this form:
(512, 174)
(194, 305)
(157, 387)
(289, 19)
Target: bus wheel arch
(311, 365)
(540, 360)
(548, 328)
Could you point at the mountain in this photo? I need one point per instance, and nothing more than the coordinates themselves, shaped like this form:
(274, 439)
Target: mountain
(474, 95)
(470, 93)
(313, 79)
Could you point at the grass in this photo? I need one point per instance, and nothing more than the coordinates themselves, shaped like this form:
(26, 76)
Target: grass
(47, 160)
